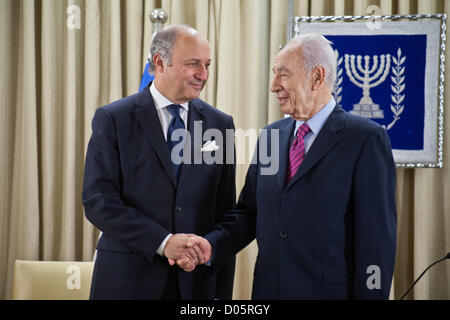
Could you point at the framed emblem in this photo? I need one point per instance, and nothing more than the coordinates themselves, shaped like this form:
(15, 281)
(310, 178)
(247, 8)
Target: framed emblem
(391, 72)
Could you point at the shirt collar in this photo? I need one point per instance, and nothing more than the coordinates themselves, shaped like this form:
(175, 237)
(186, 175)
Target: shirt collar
(317, 120)
(161, 101)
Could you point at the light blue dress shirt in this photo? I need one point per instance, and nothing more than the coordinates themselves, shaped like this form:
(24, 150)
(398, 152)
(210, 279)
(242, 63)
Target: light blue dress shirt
(315, 123)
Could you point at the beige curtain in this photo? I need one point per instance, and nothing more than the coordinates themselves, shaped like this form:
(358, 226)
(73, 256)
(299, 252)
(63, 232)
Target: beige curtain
(54, 73)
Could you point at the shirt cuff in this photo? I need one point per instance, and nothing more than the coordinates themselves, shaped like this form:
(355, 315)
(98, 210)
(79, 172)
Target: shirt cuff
(209, 262)
(163, 244)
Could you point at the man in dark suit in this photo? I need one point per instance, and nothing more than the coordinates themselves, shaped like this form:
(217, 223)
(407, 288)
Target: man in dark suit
(138, 193)
(325, 225)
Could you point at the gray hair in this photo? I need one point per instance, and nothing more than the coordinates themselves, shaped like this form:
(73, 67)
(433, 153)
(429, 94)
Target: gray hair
(164, 41)
(317, 51)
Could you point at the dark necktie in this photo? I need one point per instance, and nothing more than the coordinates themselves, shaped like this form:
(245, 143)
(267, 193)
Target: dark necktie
(175, 123)
(297, 151)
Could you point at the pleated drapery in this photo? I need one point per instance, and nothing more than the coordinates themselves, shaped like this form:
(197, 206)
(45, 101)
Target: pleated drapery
(60, 60)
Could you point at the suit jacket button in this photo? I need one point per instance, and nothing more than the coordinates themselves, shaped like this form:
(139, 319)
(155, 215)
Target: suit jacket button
(178, 209)
(283, 234)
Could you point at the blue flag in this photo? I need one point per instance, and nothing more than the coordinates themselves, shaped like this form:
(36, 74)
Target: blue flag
(146, 77)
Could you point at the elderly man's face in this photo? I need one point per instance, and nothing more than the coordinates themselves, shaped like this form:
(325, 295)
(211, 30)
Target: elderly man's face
(186, 76)
(291, 83)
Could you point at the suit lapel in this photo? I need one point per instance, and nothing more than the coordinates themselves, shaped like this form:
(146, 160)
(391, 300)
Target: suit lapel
(285, 138)
(148, 118)
(328, 136)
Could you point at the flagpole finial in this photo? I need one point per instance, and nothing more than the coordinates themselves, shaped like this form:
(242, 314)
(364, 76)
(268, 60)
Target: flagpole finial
(158, 16)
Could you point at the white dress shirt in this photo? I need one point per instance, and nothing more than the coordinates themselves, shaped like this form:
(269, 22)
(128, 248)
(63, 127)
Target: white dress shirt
(164, 115)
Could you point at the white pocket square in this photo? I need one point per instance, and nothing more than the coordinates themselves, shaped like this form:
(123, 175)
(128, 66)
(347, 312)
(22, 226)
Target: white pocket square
(209, 146)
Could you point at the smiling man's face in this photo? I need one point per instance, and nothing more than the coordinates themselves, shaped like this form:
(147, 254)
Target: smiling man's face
(291, 84)
(184, 78)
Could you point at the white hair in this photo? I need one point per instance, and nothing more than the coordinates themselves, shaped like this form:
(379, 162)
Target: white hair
(316, 51)
(164, 41)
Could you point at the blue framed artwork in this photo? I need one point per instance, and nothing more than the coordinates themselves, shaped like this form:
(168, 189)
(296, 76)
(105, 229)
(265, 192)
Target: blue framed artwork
(391, 72)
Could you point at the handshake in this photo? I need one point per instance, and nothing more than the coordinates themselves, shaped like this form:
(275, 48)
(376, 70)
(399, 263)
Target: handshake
(187, 251)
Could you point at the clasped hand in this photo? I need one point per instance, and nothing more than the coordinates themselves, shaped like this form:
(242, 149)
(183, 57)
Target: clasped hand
(187, 251)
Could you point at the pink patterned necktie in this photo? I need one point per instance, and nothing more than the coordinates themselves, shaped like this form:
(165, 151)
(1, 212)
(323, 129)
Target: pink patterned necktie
(297, 151)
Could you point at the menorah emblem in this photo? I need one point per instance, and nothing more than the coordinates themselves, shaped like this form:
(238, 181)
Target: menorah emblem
(366, 107)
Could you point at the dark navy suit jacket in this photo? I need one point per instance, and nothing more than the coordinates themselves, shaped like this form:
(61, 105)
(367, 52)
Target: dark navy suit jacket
(325, 234)
(131, 194)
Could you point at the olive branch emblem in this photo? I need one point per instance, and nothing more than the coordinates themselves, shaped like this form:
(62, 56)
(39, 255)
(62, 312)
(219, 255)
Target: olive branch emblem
(397, 87)
(337, 88)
